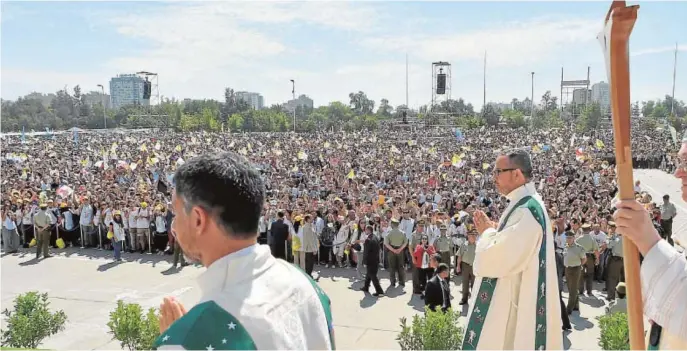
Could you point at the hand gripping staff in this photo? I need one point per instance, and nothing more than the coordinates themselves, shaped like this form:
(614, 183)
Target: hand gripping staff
(614, 40)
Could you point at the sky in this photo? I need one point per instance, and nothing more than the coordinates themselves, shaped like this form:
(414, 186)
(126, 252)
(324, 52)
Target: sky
(332, 49)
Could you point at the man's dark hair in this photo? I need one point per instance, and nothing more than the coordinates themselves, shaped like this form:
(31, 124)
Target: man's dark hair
(620, 295)
(442, 267)
(225, 185)
(437, 257)
(666, 197)
(280, 214)
(520, 159)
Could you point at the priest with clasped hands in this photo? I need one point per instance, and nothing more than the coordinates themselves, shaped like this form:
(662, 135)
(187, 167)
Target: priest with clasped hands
(515, 303)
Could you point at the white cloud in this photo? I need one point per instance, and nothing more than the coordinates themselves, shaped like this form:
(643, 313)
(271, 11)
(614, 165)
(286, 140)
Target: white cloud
(202, 47)
(18, 82)
(658, 50)
(509, 44)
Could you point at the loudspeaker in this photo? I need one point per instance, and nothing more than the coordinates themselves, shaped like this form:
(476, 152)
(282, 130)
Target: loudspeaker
(441, 83)
(146, 90)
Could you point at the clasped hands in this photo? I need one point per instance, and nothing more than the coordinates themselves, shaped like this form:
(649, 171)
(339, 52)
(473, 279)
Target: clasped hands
(170, 311)
(482, 222)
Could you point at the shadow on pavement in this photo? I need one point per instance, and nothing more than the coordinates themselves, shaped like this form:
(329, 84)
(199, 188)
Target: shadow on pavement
(566, 340)
(105, 266)
(368, 300)
(592, 301)
(580, 323)
(417, 303)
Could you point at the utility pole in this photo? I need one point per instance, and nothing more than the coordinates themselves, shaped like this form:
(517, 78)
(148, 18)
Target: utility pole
(406, 80)
(484, 82)
(672, 100)
(295, 105)
(102, 99)
(532, 107)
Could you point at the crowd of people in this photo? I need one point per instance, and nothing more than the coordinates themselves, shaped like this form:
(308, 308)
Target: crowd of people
(413, 188)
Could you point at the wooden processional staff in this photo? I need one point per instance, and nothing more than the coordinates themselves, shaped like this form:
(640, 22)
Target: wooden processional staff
(614, 40)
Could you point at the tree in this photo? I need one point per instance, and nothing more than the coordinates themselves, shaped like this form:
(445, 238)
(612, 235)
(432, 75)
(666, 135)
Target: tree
(590, 118)
(131, 328)
(490, 116)
(647, 108)
(235, 122)
(659, 111)
(549, 103)
(384, 109)
(360, 103)
(431, 331)
(31, 321)
(514, 119)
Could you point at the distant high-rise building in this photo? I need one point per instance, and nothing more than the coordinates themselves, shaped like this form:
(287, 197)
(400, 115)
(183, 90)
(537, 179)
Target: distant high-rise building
(601, 95)
(255, 100)
(579, 96)
(127, 89)
(302, 100)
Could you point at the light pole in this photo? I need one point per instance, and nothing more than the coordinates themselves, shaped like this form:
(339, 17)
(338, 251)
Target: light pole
(532, 108)
(102, 88)
(293, 92)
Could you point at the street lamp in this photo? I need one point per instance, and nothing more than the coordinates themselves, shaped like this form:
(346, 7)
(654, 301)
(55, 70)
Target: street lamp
(532, 108)
(293, 92)
(102, 99)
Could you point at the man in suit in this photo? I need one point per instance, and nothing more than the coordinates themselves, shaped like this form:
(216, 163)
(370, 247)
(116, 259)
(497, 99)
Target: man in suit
(371, 249)
(280, 234)
(437, 292)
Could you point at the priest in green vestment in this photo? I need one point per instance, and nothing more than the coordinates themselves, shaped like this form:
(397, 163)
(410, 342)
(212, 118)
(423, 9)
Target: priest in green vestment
(249, 299)
(515, 300)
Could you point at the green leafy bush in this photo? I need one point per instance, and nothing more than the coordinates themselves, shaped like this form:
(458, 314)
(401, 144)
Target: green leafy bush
(31, 321)
(432, 331)
(132, 328)
(615, 332)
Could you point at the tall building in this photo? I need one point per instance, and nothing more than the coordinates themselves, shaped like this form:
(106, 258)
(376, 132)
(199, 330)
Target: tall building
(302, 100)
(579, 96)
(127, 89)
(601, 95)
(255, 100)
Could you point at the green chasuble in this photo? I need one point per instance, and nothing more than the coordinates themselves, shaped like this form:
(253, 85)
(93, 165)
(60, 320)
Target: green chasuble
(488, 285)
(207, 326)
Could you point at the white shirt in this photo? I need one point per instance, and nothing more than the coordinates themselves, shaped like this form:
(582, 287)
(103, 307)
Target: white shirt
(132, 218)
(406, 227)
(160, 225)
(262, 225)
(664, 288)
(600, 237)
(142, 222)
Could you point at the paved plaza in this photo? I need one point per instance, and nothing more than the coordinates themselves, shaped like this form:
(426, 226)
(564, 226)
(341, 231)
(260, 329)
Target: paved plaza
(86, 285)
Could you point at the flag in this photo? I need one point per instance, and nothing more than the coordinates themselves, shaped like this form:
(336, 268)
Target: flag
(485, 166)
(351, 174)
(162, 187)
(599, 144)
(459, 135)
(455, 160)
(23, 136)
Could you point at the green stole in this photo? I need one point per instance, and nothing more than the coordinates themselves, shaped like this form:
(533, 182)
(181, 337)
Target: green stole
(488, 285)
(209, 326)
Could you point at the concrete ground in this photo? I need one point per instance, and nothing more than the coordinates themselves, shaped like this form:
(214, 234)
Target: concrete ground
(86, 285)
